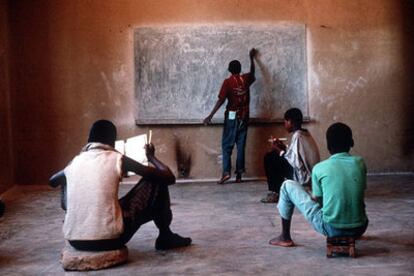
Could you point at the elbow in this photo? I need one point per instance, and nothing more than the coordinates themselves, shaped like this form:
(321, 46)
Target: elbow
(57, 179)
(53, 183)
(171, 179)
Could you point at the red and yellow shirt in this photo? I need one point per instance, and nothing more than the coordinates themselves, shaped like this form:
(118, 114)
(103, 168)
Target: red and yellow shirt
(236, 90)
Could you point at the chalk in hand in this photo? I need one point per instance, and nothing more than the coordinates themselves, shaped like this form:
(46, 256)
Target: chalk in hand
(149, 136)
(271, 140)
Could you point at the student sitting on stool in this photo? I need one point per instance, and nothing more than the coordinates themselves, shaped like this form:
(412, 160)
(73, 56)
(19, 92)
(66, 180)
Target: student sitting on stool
(337, 206)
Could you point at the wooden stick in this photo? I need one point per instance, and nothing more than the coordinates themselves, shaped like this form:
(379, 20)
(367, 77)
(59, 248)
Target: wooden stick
(150, 136)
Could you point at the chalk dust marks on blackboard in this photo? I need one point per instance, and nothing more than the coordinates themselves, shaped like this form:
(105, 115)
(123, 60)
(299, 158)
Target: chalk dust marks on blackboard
(179, 70)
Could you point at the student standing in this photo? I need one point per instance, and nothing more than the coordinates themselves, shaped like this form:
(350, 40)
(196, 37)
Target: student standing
(236, 117)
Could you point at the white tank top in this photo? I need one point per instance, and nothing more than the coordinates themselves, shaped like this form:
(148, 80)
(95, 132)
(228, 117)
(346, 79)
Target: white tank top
(93, 211)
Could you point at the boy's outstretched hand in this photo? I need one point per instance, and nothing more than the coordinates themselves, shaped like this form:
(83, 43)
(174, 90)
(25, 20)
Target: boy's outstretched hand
(253, 53)
(207, 120)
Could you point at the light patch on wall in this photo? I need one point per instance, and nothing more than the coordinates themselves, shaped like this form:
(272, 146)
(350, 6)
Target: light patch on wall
(313, 77)
(120, 75)
(108, 86)
(216, 154)
(353, 85)
(112, 97)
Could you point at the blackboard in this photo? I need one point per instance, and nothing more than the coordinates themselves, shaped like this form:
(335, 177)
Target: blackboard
(179, 70)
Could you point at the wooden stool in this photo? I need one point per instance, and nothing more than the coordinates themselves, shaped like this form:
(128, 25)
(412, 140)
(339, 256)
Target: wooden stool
(340, 246)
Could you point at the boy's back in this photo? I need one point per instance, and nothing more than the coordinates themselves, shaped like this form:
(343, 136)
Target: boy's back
(341, 181)
(93, 179)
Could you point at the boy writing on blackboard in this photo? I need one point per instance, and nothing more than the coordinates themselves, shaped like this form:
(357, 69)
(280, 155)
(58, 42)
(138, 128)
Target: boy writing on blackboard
(293, 162)
(235, 90)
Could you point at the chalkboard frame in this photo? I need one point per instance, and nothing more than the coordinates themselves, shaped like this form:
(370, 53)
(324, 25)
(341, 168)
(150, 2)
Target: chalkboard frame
(143, 120)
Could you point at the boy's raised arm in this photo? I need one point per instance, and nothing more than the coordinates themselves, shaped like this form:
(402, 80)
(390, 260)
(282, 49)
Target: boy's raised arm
(160, 173)
(252, 54)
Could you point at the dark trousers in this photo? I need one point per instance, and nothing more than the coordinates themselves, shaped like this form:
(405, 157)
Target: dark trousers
(277, 169)
(145, 202)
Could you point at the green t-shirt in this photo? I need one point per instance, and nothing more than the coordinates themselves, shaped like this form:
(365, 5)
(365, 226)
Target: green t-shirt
(341, 181)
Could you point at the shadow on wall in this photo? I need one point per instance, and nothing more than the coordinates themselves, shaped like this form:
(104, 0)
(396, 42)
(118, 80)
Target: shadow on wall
(183, 159)
(407, 7)
(257, 144)
(6, 168)
(33, 104)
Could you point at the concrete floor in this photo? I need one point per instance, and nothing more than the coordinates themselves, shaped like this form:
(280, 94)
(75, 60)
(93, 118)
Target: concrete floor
(230, 229)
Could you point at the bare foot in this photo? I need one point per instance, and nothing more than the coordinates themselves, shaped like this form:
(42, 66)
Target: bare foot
(279, 241)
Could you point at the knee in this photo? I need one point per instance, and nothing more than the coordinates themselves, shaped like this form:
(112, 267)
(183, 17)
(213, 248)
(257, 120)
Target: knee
(267, 159)
(227, 146)
(288, 186)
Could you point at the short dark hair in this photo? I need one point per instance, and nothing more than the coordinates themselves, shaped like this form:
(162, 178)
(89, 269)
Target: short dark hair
(294, 115)
(235, 67)
(339, 138)
(103, 131)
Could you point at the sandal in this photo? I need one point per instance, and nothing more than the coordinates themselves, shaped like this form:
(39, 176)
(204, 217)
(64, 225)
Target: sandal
(223, 179)
(270, 198)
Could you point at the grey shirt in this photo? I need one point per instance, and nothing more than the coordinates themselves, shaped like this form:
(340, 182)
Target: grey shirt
(302, 154)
